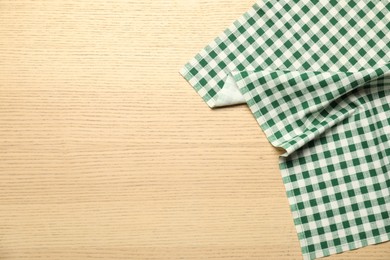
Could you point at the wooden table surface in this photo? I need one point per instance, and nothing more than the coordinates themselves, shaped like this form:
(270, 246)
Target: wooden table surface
(107, 153)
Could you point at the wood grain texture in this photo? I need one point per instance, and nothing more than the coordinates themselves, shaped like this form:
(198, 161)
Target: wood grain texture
(107, 153)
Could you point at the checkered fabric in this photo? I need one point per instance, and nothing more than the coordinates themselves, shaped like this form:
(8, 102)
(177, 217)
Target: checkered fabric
(316, 76)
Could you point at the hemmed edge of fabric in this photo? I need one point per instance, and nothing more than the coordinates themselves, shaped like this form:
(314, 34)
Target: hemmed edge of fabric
(186, 74)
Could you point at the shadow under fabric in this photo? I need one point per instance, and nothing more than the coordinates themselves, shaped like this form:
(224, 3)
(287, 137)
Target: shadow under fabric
(316, 77)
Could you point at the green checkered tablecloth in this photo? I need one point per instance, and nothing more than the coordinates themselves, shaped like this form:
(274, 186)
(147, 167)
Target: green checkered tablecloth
(316, 76)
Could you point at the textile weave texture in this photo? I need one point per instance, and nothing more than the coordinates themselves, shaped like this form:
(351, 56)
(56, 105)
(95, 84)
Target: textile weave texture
(316, 76)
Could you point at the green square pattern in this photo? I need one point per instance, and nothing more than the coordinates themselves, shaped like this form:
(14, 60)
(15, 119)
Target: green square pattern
(316, 76)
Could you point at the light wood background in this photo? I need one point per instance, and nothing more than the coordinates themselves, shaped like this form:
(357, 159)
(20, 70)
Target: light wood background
(107, 153)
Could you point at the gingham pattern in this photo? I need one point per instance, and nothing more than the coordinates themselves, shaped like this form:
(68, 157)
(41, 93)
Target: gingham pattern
(316, 76)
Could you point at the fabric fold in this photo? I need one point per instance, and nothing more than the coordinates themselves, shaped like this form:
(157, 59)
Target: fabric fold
(295, 107)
